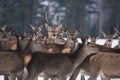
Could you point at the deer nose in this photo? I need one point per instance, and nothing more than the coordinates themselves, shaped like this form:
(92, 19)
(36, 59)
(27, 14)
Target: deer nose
(109, 40)
(54, 35)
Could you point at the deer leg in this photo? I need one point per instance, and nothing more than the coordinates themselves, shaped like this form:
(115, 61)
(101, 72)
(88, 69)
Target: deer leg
(75, 73)
(54, 78)
(82, 77)
(32, 75)
(62, 78)
(6, 77)
(104, 78)
(45, 78)
(12, 76)
(94, 73)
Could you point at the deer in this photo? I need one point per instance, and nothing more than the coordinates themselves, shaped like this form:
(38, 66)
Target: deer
(106, 64)
(54, 34)
(7, 42)
(83, 68)
(109, 39)
(43, 62)
(12, 62)
(71, 43)
(98, 63)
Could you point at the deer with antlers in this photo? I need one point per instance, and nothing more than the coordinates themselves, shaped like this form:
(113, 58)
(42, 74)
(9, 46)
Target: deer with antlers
(55, 34)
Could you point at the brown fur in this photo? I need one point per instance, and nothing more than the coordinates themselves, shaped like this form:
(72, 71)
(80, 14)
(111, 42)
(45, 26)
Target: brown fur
(66, 50)
(43, 62)
(107, 63)
(27, 59)
(83, 68)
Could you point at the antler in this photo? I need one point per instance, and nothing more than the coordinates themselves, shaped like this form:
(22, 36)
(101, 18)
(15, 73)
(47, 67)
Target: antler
(58, 20)
(46, 17)
(33, 28)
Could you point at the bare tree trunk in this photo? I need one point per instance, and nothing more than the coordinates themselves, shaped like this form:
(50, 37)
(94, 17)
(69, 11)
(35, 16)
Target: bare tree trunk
(28, 12)
(100, 16)
(1, 12)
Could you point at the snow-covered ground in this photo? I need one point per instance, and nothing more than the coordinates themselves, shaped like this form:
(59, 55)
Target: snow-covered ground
(100, 41)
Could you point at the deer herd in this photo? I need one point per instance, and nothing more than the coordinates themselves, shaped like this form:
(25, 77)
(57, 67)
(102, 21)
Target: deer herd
(26, 57)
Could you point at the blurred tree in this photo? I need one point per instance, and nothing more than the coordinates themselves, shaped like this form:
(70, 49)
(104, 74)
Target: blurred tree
(1, 12)
(91, 15)
(108, 12)
(117, 13)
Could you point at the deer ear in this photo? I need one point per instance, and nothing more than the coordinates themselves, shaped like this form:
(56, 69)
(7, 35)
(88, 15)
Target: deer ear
(3, 28)
(33, 28)
(104, 35)
(11, 30)
(116, 31)
(26, 34)
(77, 31)
(114, 35)
(40, 28)
(89, 38)
(84, 40)
(65, 29)
(97, 37)
(60, 27)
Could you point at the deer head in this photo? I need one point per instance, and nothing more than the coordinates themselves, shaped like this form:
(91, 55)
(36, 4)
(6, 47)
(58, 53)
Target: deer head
(71, 43)
(53, 33)
(71, 37)
(109, 39)
(7, 41)
(93, 39)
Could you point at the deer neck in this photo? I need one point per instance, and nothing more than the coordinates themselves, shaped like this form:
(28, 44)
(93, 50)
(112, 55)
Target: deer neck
(79, 55)
(69, 43)
(108, 44)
